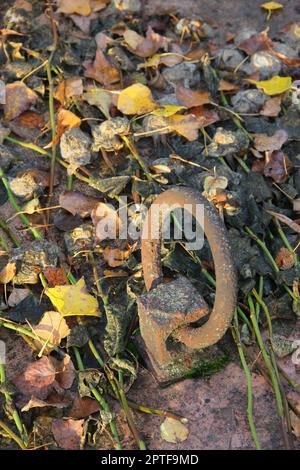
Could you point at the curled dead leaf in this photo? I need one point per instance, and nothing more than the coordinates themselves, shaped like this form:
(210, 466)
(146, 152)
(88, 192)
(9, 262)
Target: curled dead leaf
(144, 46)
(101, 70)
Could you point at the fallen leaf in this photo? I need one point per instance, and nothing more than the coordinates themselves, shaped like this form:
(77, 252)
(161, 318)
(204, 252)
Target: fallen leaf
(19, 98)
(83, 407)
(295, 423)
(65, 371)
(68, 433)
(278, 167)
(275, 85)
(52, 328)
(67, 89)
(167, 110)
(80, 7)
(264, 143)
(191, 98)
(101, 70)
(172, 430)
(31, 120)
(100, 98)
(37, 380)
(286, 220)
(106, 221)
(144, 47)
(115, 257)
(16, 296)
(272, 107)
(37, 403)
(73, 300)
(8, 273)
(227, 86)
(188, 126)
(77, 203)
(65, 120)
(136, 99)
(55, 276)
(205, 116)
(257, 42)
(290, 61)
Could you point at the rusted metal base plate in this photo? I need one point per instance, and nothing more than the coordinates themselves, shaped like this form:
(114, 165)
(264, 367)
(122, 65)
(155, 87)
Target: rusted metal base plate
(184, 365)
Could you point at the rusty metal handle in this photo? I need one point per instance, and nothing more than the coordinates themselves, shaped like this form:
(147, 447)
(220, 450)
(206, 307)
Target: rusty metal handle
(226, 283)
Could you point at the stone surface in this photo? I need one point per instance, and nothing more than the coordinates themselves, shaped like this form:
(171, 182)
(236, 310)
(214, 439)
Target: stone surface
(249, 101)
(216, 408)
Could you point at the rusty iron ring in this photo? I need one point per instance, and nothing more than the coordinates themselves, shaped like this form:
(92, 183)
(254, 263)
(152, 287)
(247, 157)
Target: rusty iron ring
(226, 281)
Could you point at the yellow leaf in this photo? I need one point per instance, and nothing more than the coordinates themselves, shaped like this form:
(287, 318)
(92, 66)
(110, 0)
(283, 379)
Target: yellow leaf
(136, 99)
(269, 6)
(275, 85)
(167, 110)
(73, 300)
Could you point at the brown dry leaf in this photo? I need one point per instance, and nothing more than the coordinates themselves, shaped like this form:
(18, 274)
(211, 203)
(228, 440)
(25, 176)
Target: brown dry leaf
(68, 433)
(101, 70)
(106, 221)
(77, 203)
(83, 407)
(31, 120)
(265, 143)
(136, 99)
(205, 116)
(81, 7)
(291, 62)
(23, 5)
(52, 328)
(227, 86)
(37, 403)
(37, 380)
(55, 276)
(191, 98)
(257, 42)
(286, 220)
(295, 423)
(67, 89)
(19, 98)
(144, 47)
(8, 273)
(115, 257)
(187, 125)
(285, 259)
(65, 371)
(272, 107)
(278, 167)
